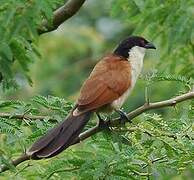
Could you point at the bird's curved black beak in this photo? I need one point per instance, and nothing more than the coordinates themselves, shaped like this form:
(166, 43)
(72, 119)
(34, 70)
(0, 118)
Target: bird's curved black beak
(150, 46)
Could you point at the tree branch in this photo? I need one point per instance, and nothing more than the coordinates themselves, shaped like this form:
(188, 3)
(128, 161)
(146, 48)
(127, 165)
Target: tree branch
(19, 160)
(131, 115)
(116, 122)
(60, 15)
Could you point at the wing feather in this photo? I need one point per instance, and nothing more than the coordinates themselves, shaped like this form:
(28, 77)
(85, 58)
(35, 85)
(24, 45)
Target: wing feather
(110, 78)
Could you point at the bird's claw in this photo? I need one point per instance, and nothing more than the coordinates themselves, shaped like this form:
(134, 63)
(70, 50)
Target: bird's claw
(103, 124)
(123, 116)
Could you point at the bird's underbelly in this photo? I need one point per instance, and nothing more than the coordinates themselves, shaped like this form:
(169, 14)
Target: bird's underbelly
(117, 104)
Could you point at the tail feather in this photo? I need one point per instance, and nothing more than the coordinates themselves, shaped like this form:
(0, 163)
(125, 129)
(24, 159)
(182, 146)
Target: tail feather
(60, 137)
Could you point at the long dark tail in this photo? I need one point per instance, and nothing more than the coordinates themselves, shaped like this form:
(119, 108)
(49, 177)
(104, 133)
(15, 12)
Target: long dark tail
(60, 137)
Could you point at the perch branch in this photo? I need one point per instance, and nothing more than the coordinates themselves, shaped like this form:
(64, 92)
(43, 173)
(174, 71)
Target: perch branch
(15, 162)
(60, 15)
(116, 122)
(138, 111)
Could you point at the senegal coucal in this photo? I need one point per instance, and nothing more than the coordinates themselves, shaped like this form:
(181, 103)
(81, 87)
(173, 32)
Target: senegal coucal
(107, 88)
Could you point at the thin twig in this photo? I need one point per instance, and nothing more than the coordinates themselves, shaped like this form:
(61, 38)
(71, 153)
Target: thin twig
(156, 160)
(25, 167)
(26, 116)
(141, 173)
(62, 170)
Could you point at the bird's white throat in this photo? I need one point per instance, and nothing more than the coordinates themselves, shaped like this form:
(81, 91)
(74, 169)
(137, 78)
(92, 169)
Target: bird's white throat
(136, 56)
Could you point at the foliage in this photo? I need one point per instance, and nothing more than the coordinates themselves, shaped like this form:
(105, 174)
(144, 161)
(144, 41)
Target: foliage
(151, 146)
(157, 145)
(168, 23)
(19, 23)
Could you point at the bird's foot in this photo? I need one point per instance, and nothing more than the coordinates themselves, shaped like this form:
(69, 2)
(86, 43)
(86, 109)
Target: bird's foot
(103, 124)
(123, 116)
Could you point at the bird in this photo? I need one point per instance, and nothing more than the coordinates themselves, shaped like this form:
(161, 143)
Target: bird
(105, 90)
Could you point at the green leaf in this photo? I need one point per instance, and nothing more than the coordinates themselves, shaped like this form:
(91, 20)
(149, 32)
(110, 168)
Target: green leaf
(6, 50)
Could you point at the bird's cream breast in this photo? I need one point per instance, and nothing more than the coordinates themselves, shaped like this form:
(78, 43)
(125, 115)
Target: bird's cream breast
(116, 104)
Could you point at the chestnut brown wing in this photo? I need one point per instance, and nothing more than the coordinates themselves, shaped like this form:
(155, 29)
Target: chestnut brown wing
(109, 79)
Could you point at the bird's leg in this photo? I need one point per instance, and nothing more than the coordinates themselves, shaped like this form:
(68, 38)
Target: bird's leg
(102, 123)
(123, 116)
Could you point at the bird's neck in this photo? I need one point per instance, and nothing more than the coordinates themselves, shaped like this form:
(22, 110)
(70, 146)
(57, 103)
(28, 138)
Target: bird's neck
(136, 56)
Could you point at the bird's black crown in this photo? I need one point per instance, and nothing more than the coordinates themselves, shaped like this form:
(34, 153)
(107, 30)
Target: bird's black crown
(124, 47)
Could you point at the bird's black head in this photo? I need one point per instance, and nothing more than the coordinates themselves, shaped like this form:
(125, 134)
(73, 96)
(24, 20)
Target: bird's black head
(127, 44)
